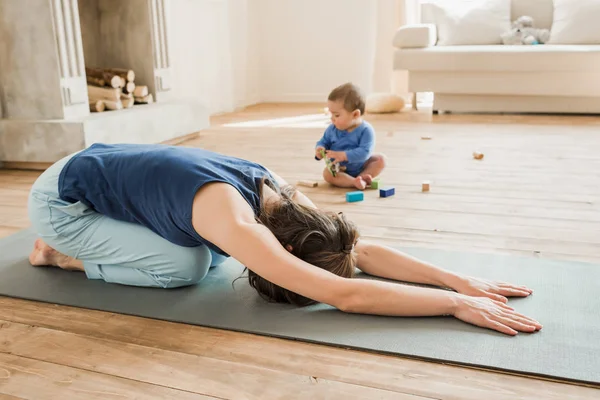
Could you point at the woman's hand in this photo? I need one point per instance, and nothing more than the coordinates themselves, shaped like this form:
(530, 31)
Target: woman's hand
(492, 314)
(499, 291)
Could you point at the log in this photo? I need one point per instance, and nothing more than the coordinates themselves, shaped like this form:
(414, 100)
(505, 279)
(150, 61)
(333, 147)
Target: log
(97, 105)
(113, 105)
(140, 91)
(129, 87)
(98, 93)
(148, 99)
(127, 100)
(95, 81)
(110, 79)
(127, 74)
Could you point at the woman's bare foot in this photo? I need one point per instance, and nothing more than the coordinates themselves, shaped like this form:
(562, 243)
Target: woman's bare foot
(360, 183)
(44, 255)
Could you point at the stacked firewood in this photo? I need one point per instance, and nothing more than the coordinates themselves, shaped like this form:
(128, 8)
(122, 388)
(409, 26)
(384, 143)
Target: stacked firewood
(114, 89)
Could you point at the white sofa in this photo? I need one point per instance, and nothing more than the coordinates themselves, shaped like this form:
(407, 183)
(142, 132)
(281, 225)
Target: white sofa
(498, 78)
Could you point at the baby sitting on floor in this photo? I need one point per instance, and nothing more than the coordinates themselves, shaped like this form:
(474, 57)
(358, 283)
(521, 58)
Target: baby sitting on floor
(349, 141)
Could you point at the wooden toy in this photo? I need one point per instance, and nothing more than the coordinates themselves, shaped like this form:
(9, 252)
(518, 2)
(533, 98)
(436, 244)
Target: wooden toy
(308, 183)
(425, 186)
(333, 168)
(477, 155)
(387, 192)
(425, 137)
(352, 197)
(375, 183)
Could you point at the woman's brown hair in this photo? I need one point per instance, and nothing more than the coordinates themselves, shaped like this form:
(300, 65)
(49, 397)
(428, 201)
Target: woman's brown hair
(321, 238)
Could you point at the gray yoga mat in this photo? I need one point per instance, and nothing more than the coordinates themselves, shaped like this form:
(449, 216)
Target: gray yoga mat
(566, 301)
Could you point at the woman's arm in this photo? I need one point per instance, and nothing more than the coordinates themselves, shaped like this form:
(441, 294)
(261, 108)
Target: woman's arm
(386, 262)
(223, 217)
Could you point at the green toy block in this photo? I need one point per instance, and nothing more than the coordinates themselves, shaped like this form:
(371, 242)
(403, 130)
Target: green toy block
(376, 183)
(328, 163)
(352, 197)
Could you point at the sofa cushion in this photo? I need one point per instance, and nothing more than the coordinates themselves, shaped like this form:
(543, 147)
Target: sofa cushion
(540, 10)
(500, 58)
(416, 35)
(467, 22)
(576, 24)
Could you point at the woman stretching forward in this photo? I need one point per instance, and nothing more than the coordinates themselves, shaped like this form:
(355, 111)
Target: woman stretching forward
(161, 216)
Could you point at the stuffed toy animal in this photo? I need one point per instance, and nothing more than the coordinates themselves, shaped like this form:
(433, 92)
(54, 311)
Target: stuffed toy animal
(522, 32)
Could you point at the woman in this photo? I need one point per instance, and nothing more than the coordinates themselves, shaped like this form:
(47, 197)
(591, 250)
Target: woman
(161, 216)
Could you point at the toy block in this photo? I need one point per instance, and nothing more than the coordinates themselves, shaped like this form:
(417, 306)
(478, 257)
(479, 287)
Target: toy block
(352, 197)
(333, 168)
(425, 186)
(308, 183)
(387, 192)
(477, 155)
(375, 183)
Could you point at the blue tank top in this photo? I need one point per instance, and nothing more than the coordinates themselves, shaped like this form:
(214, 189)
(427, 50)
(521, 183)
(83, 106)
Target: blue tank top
(154, 185)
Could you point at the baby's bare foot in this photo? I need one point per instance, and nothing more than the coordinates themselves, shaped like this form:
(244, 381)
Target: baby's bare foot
(368, 178)
(360, 183)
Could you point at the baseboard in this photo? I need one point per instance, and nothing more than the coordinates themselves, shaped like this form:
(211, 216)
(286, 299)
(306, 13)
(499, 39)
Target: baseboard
(294, 98)
(23, 165)
(516, 104)
(256, 99)
(239, 106)
(180, 139)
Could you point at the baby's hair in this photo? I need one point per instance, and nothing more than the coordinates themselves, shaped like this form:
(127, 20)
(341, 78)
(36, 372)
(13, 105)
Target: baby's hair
(350, 95)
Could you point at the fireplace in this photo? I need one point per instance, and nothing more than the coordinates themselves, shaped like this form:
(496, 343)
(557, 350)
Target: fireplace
(46, 102)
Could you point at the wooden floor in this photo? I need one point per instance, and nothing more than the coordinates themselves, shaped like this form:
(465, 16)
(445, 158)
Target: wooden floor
(536, 193)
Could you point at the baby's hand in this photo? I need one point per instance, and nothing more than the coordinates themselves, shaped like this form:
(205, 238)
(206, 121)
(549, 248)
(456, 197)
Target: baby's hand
(319, 152)
(337, 156)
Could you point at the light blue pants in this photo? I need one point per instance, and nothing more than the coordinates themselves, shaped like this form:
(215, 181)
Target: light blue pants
(115, 251)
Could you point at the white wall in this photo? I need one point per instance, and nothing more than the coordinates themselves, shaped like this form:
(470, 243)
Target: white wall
(310, 46)
(232, 53)
(214, 47)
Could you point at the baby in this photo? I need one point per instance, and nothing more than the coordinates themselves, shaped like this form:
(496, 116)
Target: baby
(349, 141)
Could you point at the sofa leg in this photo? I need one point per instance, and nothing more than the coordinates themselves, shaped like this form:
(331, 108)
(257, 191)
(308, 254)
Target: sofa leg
(414, 101)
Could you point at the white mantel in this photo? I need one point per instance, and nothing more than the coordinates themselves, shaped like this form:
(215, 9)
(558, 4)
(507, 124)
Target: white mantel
(44, 48)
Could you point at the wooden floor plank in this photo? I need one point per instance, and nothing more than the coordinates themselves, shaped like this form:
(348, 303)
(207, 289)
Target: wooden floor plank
(358, 368)
(181, 371)
(500, 249)
(9, 397)
(29, 378)
(536, 193)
